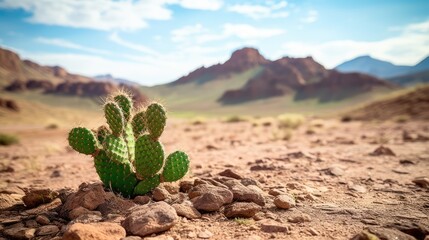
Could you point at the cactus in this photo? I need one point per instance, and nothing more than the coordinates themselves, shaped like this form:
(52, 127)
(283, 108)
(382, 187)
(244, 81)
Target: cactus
(128, 157)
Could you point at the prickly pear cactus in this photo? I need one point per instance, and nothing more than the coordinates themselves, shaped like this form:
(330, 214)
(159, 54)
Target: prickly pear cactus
(128, 156)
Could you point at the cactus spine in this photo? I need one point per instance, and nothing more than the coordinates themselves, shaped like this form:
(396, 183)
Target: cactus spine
(128, 156)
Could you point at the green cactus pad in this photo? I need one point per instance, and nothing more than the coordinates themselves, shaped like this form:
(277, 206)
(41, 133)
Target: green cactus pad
(149, 156)
(83, 140)
(102, 133)
(131, 143)
(176, 166)
(114, 117)
(116, 149)
(147, 185)
(126, 105)
(155, 120)
(139, 123)
(116, 176)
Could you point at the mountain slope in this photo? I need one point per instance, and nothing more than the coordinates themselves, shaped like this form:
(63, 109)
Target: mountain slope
(247, 83)
(13, 68)
(382, 69)
(372, 66)
(411, 79)
(240, 61)
(414, 104)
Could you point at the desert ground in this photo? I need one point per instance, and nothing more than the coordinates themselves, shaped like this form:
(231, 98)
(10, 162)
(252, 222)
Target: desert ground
(342, 185)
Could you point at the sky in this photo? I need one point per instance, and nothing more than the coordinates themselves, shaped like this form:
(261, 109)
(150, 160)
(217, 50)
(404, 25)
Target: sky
(157, 41)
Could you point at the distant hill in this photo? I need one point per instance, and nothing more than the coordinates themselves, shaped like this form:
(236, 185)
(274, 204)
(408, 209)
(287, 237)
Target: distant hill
(17, 76)
(12, 68)
(414, 104)
(248, 83)
(411, 79)
(110, 78)
(305, 78)
(379, 68)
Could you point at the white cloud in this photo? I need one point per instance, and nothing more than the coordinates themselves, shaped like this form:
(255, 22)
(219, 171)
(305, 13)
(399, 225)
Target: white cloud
(407, 48)
(183, 34)
(311, 17)
(269, 10)
(103, 14)
(201, 4)
(114, 37)
(67, 44)
(245, 32)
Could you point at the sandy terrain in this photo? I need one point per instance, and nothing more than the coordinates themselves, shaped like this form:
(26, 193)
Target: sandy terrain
(326, 165)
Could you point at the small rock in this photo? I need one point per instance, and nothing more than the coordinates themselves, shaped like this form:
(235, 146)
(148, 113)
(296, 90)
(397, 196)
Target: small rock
(94, 231)
(284, 201)
(275, 192)
(42, 219)
(271, 226)
(142, 200)
(421, 182)
(299, 218)
(186, 210)
(44, 208)
(208, 202)
(186, 185)
(313, 232)
(89, 196)
(230, 173)
(383, 151)
(242, 209)
(335, 171)
(91, 217)
(242, 193)
(132, 238)
(152, 218)
(161, 237)
(19, 233)
(171, 187)
(209, 198)
(160, 194)
(47, 230)
(36, 197)
(75, 213)
(31, 224)
(357, 188)
(206, 234)
(382, 233)
(9, 200)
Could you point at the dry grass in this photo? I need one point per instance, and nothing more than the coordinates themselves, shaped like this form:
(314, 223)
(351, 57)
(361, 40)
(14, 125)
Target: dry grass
(291, 121)
(7, 139)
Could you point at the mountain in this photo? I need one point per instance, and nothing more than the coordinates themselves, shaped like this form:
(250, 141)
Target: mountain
(421, 66)
(110, 78)
(241, 60)
(379, 68)
(372, 66)
(13, 68)
(248, 83)
(305, 78)
(421, 77)
(17, 75)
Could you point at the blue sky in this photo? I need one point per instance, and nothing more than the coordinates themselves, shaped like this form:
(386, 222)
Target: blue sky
(157, 41)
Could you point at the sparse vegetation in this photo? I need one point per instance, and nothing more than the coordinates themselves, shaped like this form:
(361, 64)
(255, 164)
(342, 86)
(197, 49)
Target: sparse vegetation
(7, 139)
(291, 121)
(402, 118)
(243, 221)
(52, 126)
(198, 121)
(282, 134)
(235, 119)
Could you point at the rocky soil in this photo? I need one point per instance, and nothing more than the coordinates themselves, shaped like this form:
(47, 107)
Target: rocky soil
(330, 180)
